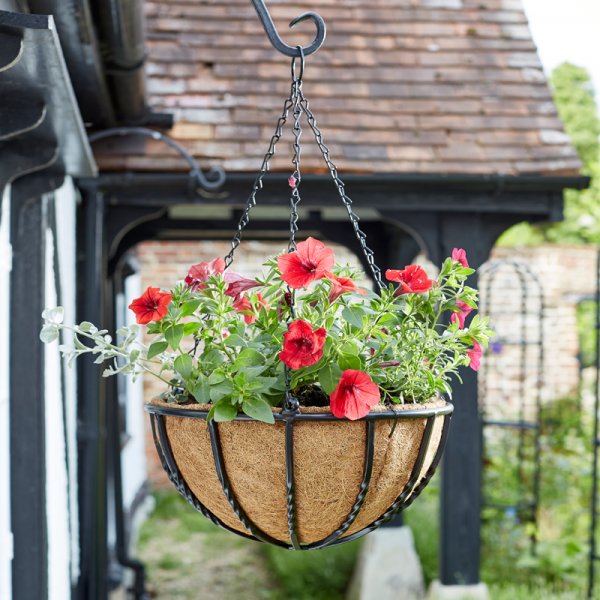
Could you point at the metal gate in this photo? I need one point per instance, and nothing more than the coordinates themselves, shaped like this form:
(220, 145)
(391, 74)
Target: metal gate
(511, 393)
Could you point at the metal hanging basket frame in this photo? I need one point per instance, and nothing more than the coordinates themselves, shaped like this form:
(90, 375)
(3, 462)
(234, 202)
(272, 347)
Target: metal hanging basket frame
(160, 412)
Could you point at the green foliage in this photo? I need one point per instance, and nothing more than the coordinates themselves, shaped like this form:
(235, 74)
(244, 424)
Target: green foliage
(209, 348)
(313, 575)
(587, 332)
(576, 105)
(558, 568)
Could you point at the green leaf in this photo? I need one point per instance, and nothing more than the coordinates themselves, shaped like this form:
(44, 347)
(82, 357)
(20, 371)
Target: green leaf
(183, 365)
(49, 333)
(248, 357)
(224, 411)
(350, 361)
(173, 335)
(189, 307)
(216, 377)
(233, 341)
(221, 390)
(329, 377)
(354, 316)
(258, 409)
(190, 328)
(201, 389)
(211, 360)
(157, 348)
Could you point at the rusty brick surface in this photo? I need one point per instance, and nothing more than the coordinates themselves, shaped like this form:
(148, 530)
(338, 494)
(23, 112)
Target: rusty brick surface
(430, 86)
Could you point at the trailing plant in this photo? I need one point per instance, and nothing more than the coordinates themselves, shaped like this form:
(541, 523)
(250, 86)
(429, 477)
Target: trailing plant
(233, 342)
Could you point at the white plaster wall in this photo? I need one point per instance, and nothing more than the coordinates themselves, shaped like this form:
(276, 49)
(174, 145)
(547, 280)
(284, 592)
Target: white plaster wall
(6, 542)
(134, 455)
(61, 465)
(66, 199)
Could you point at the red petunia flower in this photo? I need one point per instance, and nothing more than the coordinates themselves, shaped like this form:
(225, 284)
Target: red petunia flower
(150, 306)
(200, 273)
(302, 346)
(308, 263)
(238, 284)
(341, 285)
(242, 304)
(412, 279)
(460, 316)
(460, 255)
(475, 356)
(354, 395)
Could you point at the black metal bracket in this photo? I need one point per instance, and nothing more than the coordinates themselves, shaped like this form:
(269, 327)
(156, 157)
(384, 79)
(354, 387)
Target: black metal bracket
(278, 43)
(216, 177)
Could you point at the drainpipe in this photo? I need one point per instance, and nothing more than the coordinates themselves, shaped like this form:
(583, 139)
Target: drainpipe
(121, 29)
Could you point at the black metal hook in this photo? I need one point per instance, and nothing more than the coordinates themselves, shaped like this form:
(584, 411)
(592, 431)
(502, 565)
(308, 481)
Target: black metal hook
(216, 175)
(275, 39)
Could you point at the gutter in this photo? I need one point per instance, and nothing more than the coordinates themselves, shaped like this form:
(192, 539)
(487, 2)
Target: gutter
(121, 30)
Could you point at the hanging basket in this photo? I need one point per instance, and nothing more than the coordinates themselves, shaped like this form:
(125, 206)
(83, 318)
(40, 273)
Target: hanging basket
(308, 481)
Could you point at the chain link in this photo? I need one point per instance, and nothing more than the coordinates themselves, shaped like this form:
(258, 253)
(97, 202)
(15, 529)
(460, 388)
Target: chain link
(361, 236)
(297, 133)
(258, 182)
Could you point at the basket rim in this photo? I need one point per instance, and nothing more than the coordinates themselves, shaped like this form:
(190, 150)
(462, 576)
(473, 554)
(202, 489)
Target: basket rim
(436, 407)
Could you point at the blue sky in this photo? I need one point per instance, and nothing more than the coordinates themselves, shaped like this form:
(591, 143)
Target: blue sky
(567, 30)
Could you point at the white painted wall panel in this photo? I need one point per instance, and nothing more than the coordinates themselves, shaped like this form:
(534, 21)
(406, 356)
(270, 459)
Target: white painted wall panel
(134, 455)
(66, 199)
(5, 529)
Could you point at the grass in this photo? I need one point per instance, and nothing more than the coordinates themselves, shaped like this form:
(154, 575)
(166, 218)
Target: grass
(185, 553)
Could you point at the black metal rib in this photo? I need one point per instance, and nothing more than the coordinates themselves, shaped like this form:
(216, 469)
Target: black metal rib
(362, 492)
(411, 488)
(179, 482)
(289, 482)
(215, 443)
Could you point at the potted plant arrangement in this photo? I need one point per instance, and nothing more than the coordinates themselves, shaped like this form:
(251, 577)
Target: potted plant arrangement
(298, 408)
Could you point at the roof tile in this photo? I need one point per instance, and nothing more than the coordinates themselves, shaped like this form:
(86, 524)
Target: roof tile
(429, 86)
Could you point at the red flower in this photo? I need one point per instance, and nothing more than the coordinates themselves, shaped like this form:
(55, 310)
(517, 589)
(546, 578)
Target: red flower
(309, 262)
(459, 255)
(412, 279)
(200, 273)
(150, 306)
(475, 356)
(238, 284)
(340, 285)
(354, 395)
(302, 346)
(242, 304)
(460, 316)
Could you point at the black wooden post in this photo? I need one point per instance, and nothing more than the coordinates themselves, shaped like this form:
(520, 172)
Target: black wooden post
(461, 467)
(91, 433)
(29, 221)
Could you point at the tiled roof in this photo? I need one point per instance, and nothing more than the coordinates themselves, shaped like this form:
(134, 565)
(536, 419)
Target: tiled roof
(404, 86)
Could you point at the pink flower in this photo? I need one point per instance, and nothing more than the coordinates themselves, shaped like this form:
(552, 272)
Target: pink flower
(238, 284)
(354, 395)
(460, 316)
(460, 255)
(475, 356)
(341, 285)
(292, 181)
(412, 279)
(200, 273)
(309, 262)
(302, 346)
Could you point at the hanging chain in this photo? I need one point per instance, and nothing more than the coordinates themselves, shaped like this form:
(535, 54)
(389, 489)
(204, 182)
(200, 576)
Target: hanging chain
(258, 182)
(361, 236)
(297, 176)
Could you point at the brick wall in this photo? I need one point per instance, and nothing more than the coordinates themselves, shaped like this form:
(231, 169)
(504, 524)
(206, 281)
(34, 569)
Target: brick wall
(566, 275)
